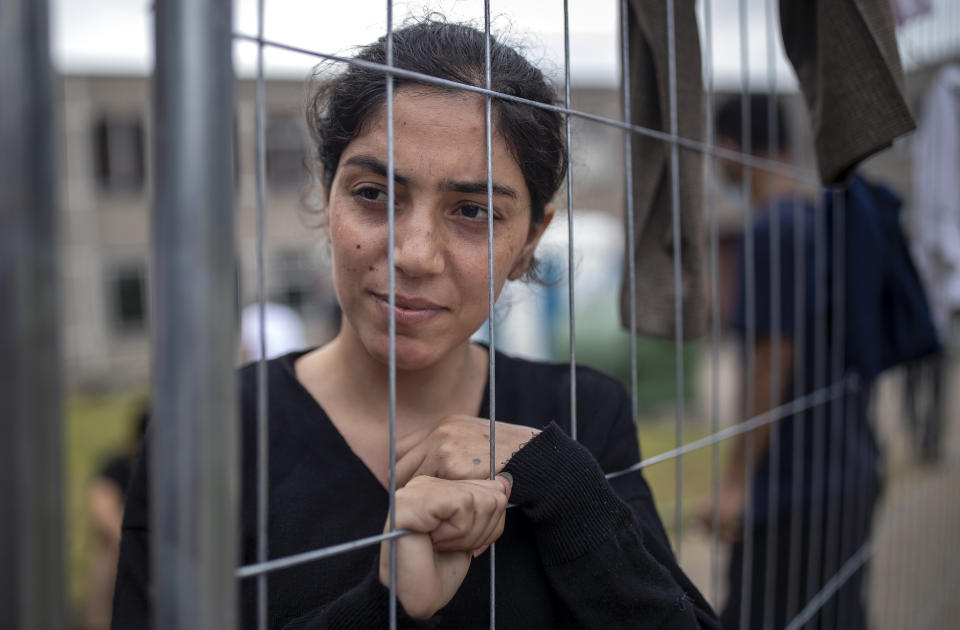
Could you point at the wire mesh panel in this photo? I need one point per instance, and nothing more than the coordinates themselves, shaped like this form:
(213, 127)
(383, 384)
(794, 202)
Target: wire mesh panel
(831, 553)
(801, 535)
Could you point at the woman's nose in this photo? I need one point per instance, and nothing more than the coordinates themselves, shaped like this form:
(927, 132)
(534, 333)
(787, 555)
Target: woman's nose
(418, 250)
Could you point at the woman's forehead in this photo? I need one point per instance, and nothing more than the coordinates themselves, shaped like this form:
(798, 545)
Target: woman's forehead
(437, 135)
(433, 106)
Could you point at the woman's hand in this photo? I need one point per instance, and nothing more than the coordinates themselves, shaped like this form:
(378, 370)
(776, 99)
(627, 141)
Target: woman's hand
(453, 522)
(459, 448)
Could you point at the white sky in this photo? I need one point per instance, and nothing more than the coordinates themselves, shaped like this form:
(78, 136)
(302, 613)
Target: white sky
(115, 36)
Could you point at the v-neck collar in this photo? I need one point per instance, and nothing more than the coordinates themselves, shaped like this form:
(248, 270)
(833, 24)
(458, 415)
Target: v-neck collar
(318, 429)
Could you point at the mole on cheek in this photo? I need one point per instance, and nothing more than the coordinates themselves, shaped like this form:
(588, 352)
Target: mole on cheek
(371, 268)
(358, 245)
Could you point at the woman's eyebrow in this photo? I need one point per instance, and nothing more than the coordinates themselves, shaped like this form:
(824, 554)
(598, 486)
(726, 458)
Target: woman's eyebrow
(476, 188)
(448, 185)
(375, 165)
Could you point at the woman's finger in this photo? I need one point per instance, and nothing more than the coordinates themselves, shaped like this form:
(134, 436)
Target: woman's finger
(488, 535)
(410, 462)
(488, 506)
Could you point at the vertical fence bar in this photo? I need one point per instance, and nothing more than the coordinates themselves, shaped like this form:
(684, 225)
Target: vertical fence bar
(799, 384)
(851, 420)
(863, 510)
(263, 435)
(949, 527)
(392, 299)
(898, 603)
(773, 449)
(901, 609)
(677, 270)
(570, 288)
(837, 462)
(628, 177)
(749, 281)
(946, 532)
(914, 591)
(491, 297)
(31, 533)
(710, 175)
(194, 461)
(818, 480)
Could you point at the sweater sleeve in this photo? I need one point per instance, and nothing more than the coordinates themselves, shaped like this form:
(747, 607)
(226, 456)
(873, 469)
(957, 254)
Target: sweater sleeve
(363, 607)
(605, 559)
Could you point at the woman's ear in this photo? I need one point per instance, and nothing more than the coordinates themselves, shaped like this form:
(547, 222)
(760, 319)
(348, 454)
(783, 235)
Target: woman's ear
(530, 246)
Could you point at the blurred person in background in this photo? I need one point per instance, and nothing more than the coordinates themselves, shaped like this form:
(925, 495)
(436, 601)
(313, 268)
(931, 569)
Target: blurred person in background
(807, 483)
(106, 498)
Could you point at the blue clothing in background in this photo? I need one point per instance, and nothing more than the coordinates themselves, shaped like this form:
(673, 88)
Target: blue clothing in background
(888, 319)
(805, 305)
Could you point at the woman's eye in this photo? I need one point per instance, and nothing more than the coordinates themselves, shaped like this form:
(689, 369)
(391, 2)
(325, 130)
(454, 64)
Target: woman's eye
(471, 211)
(370, 194)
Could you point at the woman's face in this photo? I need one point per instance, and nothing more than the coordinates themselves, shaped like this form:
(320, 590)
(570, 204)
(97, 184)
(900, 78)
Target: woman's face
(440, 251)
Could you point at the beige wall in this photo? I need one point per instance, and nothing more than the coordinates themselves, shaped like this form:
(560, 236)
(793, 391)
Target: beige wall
(103, 230)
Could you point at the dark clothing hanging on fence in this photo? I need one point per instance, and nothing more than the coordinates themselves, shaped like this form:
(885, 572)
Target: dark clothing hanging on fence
(848, 65)
(888, 319)
(652, 209)
(577, 552)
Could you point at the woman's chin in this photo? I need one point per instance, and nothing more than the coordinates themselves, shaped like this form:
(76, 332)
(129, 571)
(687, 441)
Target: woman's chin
(412, 355)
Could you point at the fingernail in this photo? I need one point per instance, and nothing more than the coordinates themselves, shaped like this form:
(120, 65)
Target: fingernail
(509, 479)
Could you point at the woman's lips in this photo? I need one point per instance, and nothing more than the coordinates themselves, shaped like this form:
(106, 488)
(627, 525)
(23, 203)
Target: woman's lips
(409, 311)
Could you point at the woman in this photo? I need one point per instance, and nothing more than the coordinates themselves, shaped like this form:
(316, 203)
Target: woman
(576, 551)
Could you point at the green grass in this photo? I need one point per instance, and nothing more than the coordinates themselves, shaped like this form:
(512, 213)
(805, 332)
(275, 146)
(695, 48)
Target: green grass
(95, 429)
(659, 436)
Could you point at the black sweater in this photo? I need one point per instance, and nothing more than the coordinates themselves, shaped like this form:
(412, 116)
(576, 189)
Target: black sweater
(577, 551)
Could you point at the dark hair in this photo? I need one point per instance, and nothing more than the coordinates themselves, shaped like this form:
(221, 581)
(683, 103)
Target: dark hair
(729, 123)
(339, 107)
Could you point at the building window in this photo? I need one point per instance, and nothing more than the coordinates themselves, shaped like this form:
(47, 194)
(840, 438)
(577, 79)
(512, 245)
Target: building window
(119, 154)
(128, 295)
(285, 152)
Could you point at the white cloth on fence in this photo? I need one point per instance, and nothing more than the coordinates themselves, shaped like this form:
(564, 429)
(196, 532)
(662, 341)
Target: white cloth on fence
(904, 10)
(935, 213)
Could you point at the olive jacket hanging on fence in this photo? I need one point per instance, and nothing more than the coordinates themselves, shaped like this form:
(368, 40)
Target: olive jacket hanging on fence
(652, 199)
(848, 65)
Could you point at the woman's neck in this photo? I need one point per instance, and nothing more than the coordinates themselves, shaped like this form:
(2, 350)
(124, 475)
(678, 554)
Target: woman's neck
(345, 373)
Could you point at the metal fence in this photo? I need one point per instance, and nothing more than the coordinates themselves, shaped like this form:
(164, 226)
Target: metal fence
(195, 442)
